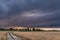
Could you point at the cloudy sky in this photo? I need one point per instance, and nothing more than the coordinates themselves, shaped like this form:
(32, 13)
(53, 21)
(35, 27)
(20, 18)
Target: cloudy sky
(34, 13)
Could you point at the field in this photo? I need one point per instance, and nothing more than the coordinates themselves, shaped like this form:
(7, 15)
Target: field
(32, 35)
(3, 35)
(38, 35)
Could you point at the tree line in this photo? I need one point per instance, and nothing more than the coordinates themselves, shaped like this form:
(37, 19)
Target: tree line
(27, 29)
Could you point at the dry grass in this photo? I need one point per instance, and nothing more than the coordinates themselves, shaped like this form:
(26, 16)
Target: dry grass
(39, 35)
(2, 35)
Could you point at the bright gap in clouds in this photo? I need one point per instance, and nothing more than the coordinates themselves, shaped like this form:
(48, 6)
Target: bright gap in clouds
(34, 13)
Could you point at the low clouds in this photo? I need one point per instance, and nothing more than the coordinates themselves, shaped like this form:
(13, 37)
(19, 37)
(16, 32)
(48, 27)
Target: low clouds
(37, 13)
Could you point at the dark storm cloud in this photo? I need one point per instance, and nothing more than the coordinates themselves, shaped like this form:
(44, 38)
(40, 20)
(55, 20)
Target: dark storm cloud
(44, 13)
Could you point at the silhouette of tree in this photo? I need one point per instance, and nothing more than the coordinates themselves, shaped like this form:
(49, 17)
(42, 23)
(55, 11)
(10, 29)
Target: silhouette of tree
(1, 29)
(33, 29)
(11, 28)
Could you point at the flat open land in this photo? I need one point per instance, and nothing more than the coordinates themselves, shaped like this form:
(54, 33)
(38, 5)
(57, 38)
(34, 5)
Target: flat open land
(29, 35)
(3, 35)
(38, 35)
